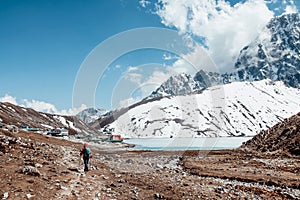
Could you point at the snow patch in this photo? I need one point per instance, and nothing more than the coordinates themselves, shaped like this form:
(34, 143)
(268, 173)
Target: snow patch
(71, 125)
(47, 126)
(67, 123)
(10, 108)
(62, 120)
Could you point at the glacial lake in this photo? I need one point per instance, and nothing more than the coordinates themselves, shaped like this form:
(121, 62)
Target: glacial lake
(167, 144)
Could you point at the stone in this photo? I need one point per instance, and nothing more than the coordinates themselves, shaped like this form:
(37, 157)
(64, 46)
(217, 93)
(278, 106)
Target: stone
(135, 191)
(158, 196)
(38, 165)
(30, 170)
(5, 195)
(63, 187)
(73, 169)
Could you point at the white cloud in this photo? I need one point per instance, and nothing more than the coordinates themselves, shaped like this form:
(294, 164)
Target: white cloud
(41, 106)
(226, 29)
(127, 102)
(169, 56)
(154, 81)
(73, 111)
(290, 9)
(158, 77)
(194, 61)
(132, 68)
(271, 1)
(144, 3)
(143, 84)
(9, 99)
(134, 77)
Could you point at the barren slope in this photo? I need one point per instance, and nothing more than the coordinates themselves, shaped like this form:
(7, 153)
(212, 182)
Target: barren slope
(16, 115)
(284, 137)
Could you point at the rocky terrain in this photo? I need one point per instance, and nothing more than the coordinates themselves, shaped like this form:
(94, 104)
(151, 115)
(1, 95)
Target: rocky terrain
(283, 138)
(34, 166)
(19, 116)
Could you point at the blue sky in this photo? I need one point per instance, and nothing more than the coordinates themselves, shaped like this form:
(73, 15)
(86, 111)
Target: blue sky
(43, 43)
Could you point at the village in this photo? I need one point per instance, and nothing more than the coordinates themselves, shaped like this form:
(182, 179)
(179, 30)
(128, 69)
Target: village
(59, 132)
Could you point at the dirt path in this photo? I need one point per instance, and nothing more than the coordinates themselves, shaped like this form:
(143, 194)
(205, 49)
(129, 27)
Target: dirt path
(35, 166)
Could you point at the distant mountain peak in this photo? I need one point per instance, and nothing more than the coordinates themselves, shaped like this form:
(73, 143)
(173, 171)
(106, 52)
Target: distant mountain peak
(90, 115)
(178, 84)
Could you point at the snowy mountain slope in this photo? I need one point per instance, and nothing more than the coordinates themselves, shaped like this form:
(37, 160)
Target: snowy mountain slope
(19, 116)
(235, 109)
(90, 115)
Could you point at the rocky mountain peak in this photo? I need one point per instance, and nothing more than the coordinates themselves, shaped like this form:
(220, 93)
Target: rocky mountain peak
(274, 53)
(91, 114)
(178, 84)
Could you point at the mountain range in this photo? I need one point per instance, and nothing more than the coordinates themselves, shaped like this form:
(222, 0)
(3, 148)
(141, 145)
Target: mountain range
(234, 109)
(274, 54)
(262, 90)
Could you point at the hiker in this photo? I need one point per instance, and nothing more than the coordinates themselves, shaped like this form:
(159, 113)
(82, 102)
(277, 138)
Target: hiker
(86, 155)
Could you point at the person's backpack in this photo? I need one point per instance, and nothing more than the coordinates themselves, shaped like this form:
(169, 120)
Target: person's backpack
(86, 152)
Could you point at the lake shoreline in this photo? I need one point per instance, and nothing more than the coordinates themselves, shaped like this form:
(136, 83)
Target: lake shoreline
(181, 143)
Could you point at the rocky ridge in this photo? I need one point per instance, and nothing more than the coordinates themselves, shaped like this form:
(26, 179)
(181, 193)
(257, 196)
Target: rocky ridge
(283, 138)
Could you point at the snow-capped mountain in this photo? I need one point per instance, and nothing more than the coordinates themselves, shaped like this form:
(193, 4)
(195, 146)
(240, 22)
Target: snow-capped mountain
(235, 109)
(90, 115)
(176, 85)
(275, 54)
(183, 84)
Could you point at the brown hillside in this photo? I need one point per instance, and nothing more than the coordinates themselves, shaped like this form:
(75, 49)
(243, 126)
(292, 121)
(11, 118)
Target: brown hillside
(284, 138)
(16, 115)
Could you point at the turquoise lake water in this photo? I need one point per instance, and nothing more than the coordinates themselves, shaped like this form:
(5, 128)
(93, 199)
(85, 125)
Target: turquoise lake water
(215, 143)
